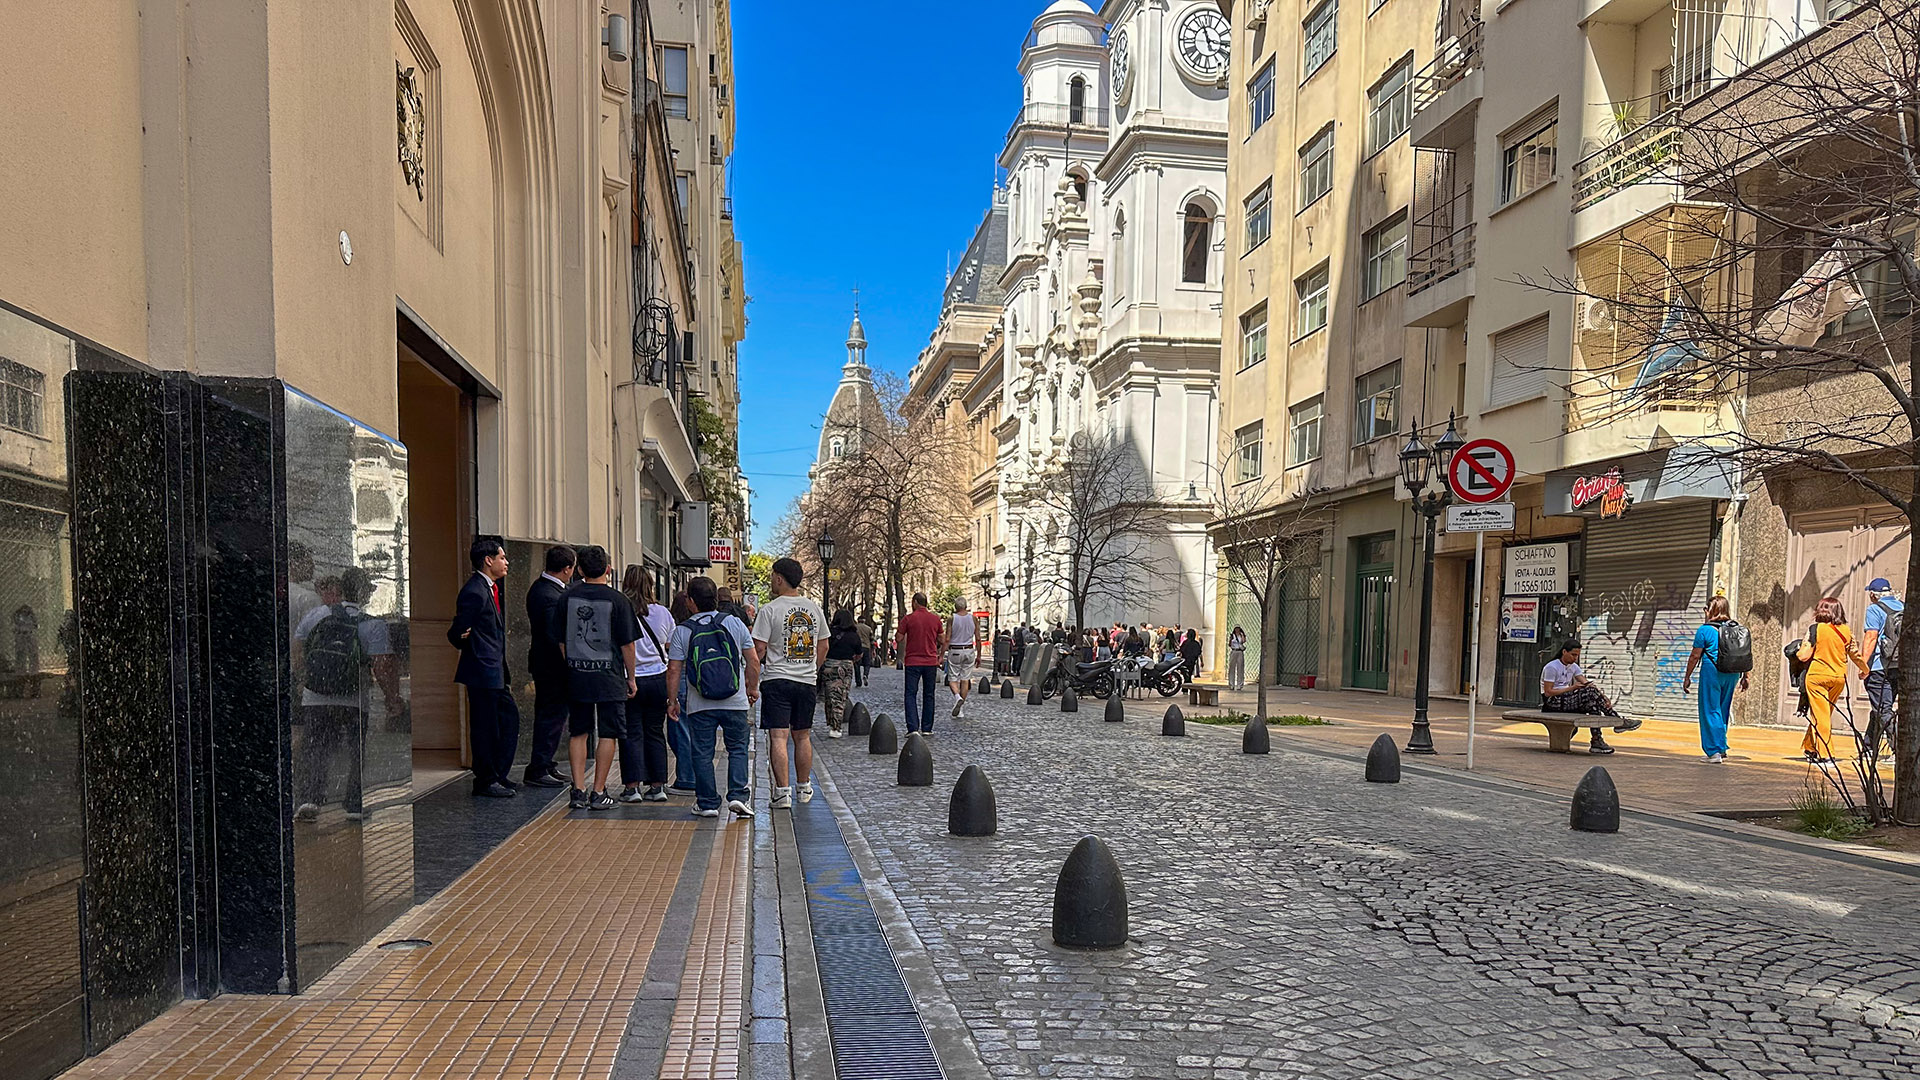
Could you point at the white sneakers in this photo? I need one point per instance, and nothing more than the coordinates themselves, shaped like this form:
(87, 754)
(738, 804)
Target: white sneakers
(959, 704)
(741, 809)
(1716, 759)
(806, 791)
(836, 733)
(782, 798)
(697, 812)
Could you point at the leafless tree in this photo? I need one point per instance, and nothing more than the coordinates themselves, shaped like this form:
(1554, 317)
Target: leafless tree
(1262, 533)
(1111, 523)
(1782, 291)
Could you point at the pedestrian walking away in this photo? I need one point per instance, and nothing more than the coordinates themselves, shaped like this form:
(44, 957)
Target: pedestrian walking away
(961, 645)
(1827, 650)
(1718, 642)
(479, 631)
(715, 651)
(921, 643)
(1237, 659)
(595, 626)
(789, 637)
(836, 675)
(643, 755)
(548, 668)
(1880, 640)
(1190, 654)
(1564, 688)
(679, 736)
(863, 670)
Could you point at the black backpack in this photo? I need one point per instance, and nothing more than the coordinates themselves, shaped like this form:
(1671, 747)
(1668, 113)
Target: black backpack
(1735, 654)
(1886, 648)
(334, 654)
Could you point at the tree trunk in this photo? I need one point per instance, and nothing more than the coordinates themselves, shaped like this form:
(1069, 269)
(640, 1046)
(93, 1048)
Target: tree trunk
(1260, 675)
(1906, 739)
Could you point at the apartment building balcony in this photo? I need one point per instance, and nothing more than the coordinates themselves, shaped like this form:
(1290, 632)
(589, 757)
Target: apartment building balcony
(1440, 279)
(1627, 179)
(1447, 91)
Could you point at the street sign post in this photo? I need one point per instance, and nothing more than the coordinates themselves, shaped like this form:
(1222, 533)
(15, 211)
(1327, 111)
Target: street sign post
(1481, 471)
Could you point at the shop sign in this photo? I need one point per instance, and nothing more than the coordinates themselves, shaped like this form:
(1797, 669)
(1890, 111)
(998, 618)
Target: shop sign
(1536, 570)
(1607, 489)
(1519, 618)
(720, 550)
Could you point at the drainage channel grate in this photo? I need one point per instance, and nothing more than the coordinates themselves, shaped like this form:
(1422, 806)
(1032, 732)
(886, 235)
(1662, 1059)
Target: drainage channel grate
(876, 1032)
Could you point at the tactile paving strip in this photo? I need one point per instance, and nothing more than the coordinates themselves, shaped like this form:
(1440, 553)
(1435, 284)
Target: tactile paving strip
(704, 1041)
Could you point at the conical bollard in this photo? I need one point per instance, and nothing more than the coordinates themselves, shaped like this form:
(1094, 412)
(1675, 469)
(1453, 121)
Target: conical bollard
(1174, 723)
(1006, 689)
(986, 684)
(1116, 708)
(1090, 899)
(916, 763)
(859, 720)
(1596, 803)
(883, 739)
(1033, 694)
(1069, 701)
(1383, 761)
(971, 811)
(1255, 740)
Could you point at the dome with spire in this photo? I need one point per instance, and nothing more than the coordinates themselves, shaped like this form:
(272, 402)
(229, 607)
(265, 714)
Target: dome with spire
(855, 408)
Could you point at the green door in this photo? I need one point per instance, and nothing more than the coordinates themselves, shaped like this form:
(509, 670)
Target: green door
(1371, 615)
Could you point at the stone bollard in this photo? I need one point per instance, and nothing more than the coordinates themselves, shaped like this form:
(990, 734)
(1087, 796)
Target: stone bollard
(971, 811)
(1033, 694)
(916, 763)
(1116, 708)
(1383, 761)
(986, 684)
(883, 739)
(1069, 701)
(1255, 740)
(1090, 899)
(1596, 803)
(1174, 723)
(859, 720)
(1006, 689)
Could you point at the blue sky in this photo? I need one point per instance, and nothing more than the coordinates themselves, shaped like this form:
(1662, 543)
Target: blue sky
(863, 155)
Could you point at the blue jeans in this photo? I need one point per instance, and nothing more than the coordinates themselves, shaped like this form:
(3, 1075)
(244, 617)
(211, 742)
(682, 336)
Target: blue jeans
(920, 679)
(737, 724)
(680, 741)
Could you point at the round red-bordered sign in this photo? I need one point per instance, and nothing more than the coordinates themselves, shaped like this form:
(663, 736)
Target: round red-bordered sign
(1481, 471)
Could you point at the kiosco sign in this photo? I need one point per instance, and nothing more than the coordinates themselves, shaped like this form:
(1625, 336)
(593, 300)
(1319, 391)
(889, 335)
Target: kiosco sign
(1536, 570)
(720, 551)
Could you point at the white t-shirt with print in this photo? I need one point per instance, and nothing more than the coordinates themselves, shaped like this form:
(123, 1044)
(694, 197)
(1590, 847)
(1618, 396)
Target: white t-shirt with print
(791, 626)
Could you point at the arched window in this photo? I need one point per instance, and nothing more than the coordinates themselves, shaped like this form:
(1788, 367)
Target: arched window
(1196, 245)
(1080, 188)
(1076, 100)
(839, 448)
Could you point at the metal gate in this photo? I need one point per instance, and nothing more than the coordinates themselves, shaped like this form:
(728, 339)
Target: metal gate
(1648, 578)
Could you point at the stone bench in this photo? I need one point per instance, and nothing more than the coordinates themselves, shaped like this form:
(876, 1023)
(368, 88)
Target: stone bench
(1203, 693)
(1561, 727)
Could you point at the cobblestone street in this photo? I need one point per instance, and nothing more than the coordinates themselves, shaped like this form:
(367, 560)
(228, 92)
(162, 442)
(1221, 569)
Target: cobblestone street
(1289, 919)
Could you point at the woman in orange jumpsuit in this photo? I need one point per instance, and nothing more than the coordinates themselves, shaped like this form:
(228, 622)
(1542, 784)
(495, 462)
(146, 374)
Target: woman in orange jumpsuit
(1827, 649)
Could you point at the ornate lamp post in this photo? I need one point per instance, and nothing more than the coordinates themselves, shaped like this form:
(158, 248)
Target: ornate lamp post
(1422, 466)
(996, 593)
(825, 547)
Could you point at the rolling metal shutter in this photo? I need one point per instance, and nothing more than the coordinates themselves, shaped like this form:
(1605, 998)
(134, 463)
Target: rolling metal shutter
(1647, 580)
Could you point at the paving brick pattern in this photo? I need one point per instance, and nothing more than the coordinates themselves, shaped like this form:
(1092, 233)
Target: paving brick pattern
(1290, 920)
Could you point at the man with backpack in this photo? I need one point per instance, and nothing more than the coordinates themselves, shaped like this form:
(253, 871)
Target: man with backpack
(790, 641)
(723, 681)
(1882, 645)
(596, 628)
(338, 646)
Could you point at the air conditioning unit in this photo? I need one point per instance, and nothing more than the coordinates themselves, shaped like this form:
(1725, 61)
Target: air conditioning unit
(1596, 315)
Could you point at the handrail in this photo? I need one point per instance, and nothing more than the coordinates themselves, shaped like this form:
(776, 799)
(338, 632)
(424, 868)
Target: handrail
(1644, 155)
(1456, 59)
(1052, 114)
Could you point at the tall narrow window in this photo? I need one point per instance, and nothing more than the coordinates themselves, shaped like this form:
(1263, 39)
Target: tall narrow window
(1196, 245)
(673, 79)
(1259, 216)
(680, 190)
(1317, 32)
(1389, 106)
(1260, 97)
(1253, 337)
(1385, 248)
(1246, 451)
(1077, 100)
(1527, 157)
(1375, 404)
(1520, 369)
(23, 393)
(1311, 291)
(1316, 167)
(1303, 431)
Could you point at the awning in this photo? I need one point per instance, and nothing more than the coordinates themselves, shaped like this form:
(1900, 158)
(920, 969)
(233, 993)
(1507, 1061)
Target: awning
(1658, 476)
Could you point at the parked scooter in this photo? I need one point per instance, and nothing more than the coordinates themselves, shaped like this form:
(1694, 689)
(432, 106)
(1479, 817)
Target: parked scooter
(1091, 680)
(1167, 677)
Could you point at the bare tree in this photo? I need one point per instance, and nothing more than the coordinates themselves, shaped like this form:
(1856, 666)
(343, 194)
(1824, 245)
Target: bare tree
(1262, 533)
(1783, 291)
(1111, 522)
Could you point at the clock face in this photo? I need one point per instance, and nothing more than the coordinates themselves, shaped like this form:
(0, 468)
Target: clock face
(1202, 42)
(1122, 66)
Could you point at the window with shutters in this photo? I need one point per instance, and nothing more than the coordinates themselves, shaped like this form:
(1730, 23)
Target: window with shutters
(1317, 33)
(1316, 167)
(1520, 366)
(1528, 157)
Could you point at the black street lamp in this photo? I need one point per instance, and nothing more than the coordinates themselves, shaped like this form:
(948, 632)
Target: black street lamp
(1422, 466)
(825, 546)
(996, 594)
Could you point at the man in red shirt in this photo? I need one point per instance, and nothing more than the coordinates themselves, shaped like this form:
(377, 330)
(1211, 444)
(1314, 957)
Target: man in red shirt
(923, 637)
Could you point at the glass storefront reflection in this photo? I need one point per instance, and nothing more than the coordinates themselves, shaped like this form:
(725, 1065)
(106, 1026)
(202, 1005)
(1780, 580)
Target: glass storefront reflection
(347, 584)
(41, 855)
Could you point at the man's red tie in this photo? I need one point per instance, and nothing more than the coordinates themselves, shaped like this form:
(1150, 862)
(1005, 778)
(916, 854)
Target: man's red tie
(499, 606)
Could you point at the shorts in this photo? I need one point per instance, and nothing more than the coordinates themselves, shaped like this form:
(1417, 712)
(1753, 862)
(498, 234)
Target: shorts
(612, 716)
(959, 663)
(786, 704)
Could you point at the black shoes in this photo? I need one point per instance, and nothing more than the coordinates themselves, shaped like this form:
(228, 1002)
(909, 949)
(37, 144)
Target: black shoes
(600, 800)
(1626, 724)
(1599, 746)
(495, 790)
(550, 779)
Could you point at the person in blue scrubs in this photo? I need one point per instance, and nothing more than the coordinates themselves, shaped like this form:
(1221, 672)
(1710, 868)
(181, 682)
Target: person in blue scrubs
(1716, 686)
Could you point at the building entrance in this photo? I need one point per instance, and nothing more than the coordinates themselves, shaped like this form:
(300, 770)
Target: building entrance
(1371, 622)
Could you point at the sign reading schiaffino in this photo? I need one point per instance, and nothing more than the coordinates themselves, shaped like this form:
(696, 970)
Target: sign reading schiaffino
(1536, 570)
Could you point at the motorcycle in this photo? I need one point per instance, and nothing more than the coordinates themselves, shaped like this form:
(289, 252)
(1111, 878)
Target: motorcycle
(1093, 680)
(1166, 677)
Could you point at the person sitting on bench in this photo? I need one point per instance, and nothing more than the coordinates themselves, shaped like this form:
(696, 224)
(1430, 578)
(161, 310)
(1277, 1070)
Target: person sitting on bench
(1564, 688)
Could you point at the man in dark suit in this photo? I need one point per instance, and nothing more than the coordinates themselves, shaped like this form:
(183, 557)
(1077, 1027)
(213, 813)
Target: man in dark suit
(549, 669)
(479, 631)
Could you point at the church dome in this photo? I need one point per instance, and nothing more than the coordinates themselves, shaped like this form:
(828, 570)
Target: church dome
(1067, 22)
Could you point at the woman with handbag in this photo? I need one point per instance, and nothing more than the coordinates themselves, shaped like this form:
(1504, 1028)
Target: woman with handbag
(1828, 648)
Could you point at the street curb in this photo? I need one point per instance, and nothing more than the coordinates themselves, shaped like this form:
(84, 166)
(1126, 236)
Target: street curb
(1852, 854)
(786, 980)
